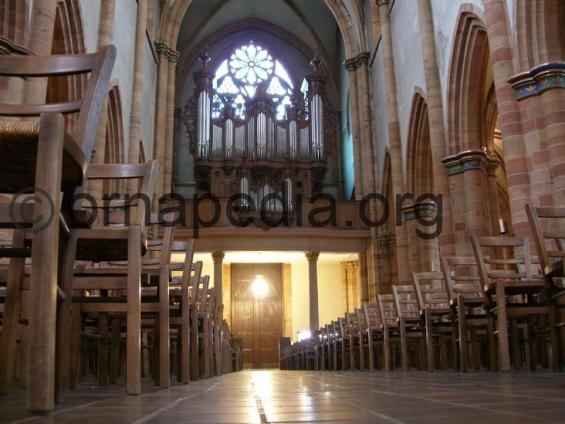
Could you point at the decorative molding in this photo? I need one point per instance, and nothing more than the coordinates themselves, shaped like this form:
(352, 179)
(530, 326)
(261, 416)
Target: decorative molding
(362, 59)
(471, 159)
(218, 256)
(418, 210)
(541, 78)
(171, 55)
(312, 256)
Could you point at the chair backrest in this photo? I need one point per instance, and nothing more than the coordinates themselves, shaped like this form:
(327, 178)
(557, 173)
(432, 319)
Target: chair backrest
(548, 228)
(352, 323)
(387, 310)
(462, 276)
(196, 284)
(342, 325)
(431, 291)
(406, 302)
(504, 258)
(372, 316)
(99, 65)
(162, 247)
(136, 209)
(362, 322)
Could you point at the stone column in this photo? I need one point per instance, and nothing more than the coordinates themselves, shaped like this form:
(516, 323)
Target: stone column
(40, 43)
(436, 122)
(363, 281)
(397, 175)
(472, 169)
(509, 114)
(135, 135)
(312, 257)
(170, 130)
(355, 129)
(161, 113)
(105, 37)
(218, 269)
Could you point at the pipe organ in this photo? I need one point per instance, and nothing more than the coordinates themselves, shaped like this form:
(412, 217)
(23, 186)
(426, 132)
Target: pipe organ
(257, 154)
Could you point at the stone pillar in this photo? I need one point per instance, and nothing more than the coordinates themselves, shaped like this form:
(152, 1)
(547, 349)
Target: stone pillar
(397, 175)
(509, 113)
(472, 169)
(105, 37)
(135, 134)
(436, 122)
(355, 130)
(170, 130)
(312, 257)
(161, 114)
(363, 280)
(218, 269)
(40, 43)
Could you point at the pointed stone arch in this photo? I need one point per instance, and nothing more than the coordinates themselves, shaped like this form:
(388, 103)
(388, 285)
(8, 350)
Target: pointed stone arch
(539, 32)
(13, 20)
(468, 69)
(68, 38)
(419, 160)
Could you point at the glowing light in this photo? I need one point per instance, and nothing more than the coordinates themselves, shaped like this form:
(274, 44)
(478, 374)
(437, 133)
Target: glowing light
(259, 286)
(304, 335)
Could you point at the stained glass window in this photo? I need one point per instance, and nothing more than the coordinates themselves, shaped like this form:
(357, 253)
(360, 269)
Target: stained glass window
(237, 78)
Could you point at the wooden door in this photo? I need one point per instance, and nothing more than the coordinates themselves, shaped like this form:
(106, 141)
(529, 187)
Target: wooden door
(257, 320)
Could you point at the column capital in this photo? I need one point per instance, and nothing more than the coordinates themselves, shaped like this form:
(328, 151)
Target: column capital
(312, 256)
(459, 163)
(354, 63)
(170, 54)
(218, 256)
(541, 78)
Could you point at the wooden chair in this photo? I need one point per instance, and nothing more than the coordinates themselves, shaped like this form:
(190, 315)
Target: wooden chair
(182, 287)
(410, 328)
(548, 229)
(199, 331)
(116, 240)
(362, 336)
(435, 311)
(335, 344)
(353, 334)
(467, 300)
(513, 289)
(47, 161)
(377, 334)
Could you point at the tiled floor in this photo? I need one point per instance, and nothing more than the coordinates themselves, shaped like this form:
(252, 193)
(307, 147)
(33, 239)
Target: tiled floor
(293, 396)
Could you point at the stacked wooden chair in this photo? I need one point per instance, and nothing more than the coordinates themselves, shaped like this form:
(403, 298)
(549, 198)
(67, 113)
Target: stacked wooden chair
(500, 309)
(436, 317)
(49, 164)
(548, 229)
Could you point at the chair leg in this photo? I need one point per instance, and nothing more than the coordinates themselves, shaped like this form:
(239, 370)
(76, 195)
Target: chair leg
(164, 339)
(206, 346)
(352, 361)
(554, 338)
(194, 348)
(403, 346)
(184, 338)
(462, 330)
(502, 326)
(44, 256)
(386, 350)
(75, 343)
(11, 315)
(429, 340)
(361, 351)
(104, 350)
(115, 351)
(133, 348)
(64, 317)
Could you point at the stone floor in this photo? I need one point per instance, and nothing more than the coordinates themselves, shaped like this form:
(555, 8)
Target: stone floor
(293, 396)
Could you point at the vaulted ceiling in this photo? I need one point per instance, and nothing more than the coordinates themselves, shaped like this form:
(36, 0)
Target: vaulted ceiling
(308, 20)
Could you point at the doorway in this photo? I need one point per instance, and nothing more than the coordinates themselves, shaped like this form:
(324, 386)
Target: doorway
(257, 301)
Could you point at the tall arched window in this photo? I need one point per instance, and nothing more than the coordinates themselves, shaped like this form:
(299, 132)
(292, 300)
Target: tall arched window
(238, 76)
